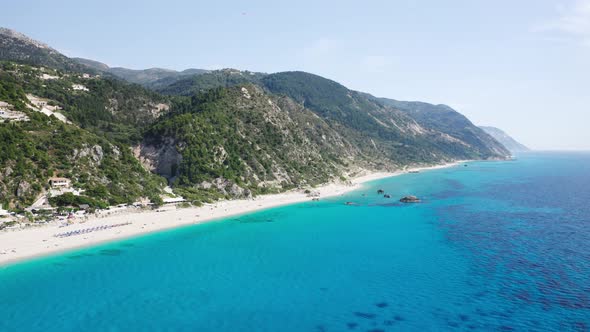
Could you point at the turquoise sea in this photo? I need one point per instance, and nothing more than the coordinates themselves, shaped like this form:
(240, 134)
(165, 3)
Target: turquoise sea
(495, 246)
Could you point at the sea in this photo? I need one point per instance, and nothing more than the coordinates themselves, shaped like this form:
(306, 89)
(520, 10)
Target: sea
(492, 246)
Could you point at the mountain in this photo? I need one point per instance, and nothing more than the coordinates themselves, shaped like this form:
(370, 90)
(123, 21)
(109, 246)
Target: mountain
(145, 77)
(242, 141)
(509, 142)
(98, 66)
(211, 135)
(378, 127)
(403, 134)
(14, 46)
(445, 119)
(199, 83)
(294, 129)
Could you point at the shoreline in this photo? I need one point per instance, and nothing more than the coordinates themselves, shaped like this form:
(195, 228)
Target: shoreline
(29, 243)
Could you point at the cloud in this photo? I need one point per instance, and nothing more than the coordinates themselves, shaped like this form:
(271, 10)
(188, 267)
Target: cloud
(572, 23)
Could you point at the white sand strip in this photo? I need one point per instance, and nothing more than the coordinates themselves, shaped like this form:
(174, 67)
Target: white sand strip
(31, 242)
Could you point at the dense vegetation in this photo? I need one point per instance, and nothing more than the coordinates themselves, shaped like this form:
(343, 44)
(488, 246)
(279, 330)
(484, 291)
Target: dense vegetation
(330, 100)
(32, 151)
(402, 136)
(243, 137)
(110, 107)
(206, 81)
(69, 199)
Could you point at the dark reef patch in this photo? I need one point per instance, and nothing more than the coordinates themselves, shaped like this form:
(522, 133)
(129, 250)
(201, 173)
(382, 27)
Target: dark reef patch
(364, 315)
(352, 325)
(398, 318)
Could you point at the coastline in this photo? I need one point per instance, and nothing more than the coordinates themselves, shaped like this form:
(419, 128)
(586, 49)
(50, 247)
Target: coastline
(29, 243)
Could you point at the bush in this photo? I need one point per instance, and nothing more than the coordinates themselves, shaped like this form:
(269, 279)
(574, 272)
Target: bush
(69, 199)
(156, 200)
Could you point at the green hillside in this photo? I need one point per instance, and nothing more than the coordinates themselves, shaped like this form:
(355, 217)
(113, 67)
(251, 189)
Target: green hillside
(243, 141)
(33, 151)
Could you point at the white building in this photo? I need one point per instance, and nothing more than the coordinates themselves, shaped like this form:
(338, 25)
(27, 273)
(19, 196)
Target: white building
(79, 87)
(59, 182)
(173, 200)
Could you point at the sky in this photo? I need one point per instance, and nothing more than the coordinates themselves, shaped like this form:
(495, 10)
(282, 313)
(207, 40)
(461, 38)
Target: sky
(522, 66)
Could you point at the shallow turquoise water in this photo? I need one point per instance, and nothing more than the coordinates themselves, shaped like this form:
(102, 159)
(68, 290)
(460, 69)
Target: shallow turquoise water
(494, 246)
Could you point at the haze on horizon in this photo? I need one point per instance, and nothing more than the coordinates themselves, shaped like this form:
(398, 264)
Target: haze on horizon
(523, 67)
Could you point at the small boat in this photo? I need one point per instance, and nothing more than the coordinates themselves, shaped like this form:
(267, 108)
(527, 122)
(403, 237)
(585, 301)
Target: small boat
(414, 172)
(387, 196)
(380, 192)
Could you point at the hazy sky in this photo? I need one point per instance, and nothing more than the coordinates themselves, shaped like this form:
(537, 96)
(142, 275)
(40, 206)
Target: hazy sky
(521, 65)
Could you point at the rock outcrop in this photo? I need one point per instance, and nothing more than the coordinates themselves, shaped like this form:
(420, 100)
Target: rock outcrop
(410, 199)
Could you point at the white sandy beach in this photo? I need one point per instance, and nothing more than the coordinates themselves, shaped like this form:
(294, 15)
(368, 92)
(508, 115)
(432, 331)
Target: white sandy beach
(30, 242)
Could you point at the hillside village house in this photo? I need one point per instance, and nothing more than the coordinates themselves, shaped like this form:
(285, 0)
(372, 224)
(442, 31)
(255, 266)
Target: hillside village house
(79, 87)
(59, 182)
(7, 113)
(4, 107)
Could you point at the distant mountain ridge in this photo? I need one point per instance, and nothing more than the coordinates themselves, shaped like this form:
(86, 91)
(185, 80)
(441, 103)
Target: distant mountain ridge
(445, 119)
(506, 140)
(451, 136)
(145, 77)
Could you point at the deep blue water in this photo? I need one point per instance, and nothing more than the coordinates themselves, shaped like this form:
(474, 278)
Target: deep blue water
(494, 246)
